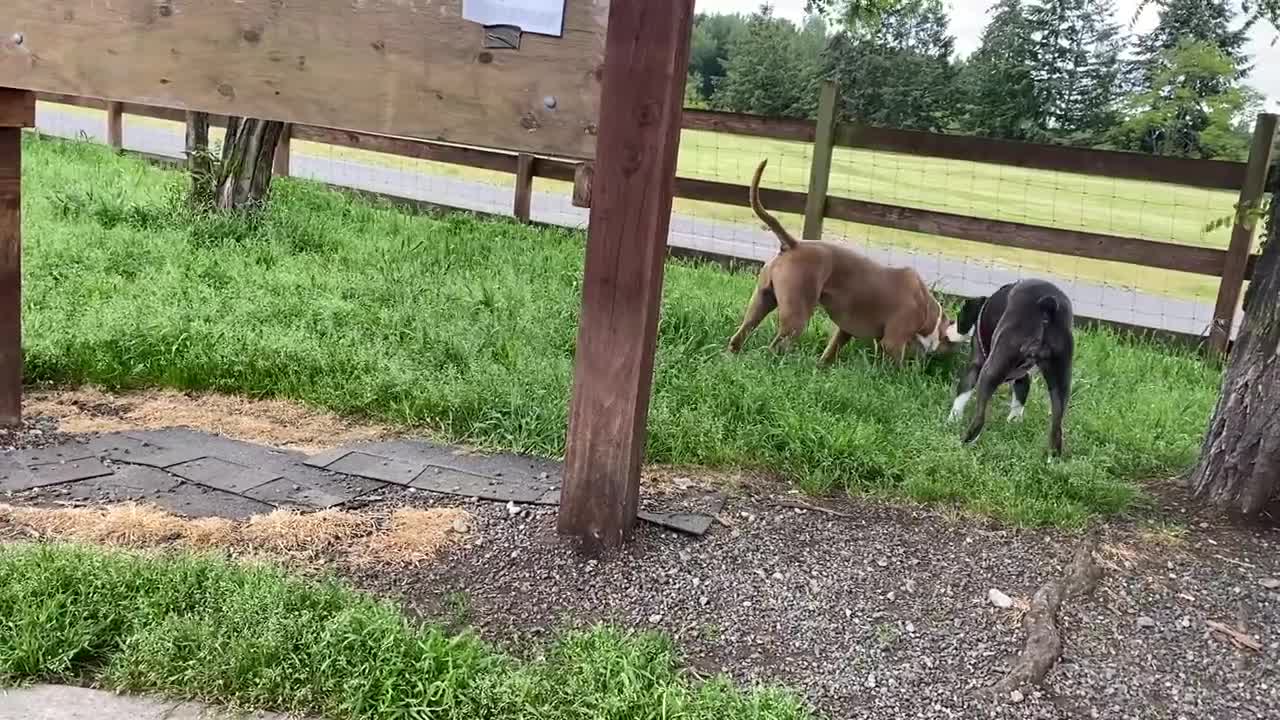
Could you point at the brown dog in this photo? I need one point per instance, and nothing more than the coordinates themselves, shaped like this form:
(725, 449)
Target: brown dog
(862, 297)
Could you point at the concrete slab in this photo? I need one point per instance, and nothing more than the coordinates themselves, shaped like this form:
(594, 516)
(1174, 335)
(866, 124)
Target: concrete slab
(222, 474)
(501, 489)
(16, 477)
(60, 702)
(377, 467)
(197, 501)
(317, 493)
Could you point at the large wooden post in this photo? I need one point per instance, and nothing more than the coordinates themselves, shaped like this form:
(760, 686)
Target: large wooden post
(815, 205)
(17, 110)
(280, 161)
(115, 125)
(1242, 232)
(522, 203)
(646, 61)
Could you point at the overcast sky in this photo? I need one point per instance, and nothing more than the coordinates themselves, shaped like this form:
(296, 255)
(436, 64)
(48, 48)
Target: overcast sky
(969, 17)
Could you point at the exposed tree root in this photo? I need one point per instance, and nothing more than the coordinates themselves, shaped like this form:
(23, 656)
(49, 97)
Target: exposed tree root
(1044, 640)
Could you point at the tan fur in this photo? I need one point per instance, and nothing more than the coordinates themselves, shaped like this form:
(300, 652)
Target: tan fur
(862, 297)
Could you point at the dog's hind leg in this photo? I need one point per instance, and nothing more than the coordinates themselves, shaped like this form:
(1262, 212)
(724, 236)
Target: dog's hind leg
(839, 338)
(763, 302)
(793, 316)
(993, 373)
(1018, 402)
(1057, 376)
(964, 391)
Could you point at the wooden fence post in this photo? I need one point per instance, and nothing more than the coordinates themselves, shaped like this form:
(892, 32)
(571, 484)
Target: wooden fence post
(641, 103)
(583, 175)
(280, 161)
(815, 204)
(115, 125)
(524, 187)
(1242, 232)
(17, 110)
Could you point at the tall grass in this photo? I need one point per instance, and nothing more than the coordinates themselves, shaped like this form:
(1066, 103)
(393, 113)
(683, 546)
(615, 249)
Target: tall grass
(200, 627)
(466, 327)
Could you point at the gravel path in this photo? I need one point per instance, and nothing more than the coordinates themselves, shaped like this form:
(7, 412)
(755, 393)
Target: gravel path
(885, 612)
(876, 611)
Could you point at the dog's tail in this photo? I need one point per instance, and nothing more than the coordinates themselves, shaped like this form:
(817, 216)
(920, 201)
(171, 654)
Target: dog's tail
(784, 238)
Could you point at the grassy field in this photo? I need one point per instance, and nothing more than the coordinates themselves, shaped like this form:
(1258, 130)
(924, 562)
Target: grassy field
(466, 327)
(1119, 207)
(198, 627)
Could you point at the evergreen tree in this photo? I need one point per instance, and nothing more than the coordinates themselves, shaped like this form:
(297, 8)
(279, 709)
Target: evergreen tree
(999, 92)
(897, 71)
(765, 72)
(1193, 108)
(1076, 67)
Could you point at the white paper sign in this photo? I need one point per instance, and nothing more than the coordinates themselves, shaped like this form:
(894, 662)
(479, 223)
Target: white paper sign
(544, 17)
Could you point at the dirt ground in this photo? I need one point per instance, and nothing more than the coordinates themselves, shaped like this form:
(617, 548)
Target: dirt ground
(870, 611)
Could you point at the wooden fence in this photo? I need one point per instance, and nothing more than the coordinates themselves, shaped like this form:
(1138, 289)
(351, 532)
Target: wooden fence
(1233, 265)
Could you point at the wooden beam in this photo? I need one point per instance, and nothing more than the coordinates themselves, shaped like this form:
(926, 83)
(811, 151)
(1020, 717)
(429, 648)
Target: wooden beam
(412, 69)
(1242, 232)
(753, 125)
(523, 200)
(115, 126)
(820, 168)
(1076, 243)
(644, 77)
(406, 147)
(17, 110)
(280, 161)
(1215, 174)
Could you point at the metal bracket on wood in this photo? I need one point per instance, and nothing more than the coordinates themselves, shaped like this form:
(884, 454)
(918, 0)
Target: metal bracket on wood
(502, 37)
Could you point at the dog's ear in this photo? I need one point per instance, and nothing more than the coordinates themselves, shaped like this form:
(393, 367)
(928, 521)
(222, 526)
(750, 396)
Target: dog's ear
(968, 316)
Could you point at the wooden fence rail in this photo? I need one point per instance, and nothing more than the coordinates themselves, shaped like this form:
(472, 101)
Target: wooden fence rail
(1234, 265)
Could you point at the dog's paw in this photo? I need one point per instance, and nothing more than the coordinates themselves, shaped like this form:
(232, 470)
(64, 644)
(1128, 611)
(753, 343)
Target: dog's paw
(1016, 413)
(955, 415)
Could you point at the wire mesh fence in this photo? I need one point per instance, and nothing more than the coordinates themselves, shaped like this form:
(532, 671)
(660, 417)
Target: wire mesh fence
(1122, 292)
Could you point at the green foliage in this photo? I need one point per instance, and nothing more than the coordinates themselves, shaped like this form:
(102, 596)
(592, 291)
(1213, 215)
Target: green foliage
(998, 85)
(907, 50)
(1076, 67)
(361, 309)
(201, 627)
(1193, 107)
(771, 67)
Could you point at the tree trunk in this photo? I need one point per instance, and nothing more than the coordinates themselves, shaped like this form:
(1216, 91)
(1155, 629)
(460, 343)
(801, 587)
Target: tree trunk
(241, 178)
(244, 173)
(1239, 466)
(199, 162)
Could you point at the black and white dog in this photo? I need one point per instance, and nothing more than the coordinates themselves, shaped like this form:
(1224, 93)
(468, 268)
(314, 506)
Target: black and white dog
(1020, 327)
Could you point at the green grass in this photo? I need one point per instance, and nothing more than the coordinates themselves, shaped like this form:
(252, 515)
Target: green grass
(203, 628)
(467, 327)
(1155, 211)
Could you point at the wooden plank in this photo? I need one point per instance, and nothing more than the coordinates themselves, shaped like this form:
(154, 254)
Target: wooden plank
(1242, 232)
(524, 187)
(820, 166)
(1077, 243)
(115, 125)
(280, 161)
(644, 77)
(17, 110)
(1214, 174)
(398, 67)
(753, 125)
(583, 176)
(406, 147)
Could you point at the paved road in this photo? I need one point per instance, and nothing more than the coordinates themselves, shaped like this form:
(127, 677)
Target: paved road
(62, 702)
(951, 275)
